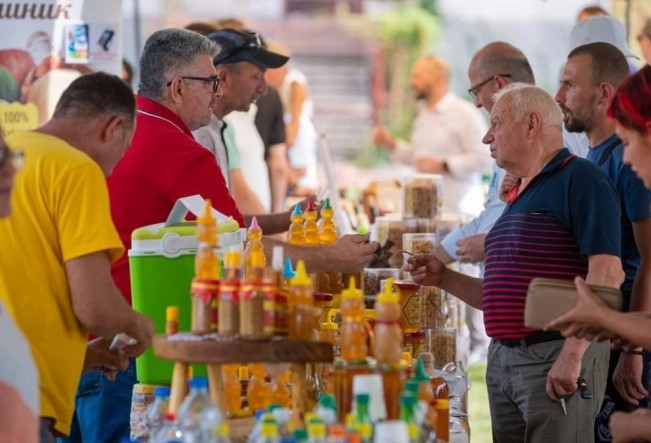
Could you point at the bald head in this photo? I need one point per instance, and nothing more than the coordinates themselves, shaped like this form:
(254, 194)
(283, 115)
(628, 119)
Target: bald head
(429, 78)
(497, 64)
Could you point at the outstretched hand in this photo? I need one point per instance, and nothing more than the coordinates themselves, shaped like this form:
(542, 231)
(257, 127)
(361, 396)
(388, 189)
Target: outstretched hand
(426, 269)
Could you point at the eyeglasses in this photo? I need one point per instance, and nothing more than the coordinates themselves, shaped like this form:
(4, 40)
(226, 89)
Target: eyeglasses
(15, 157)
(474, 90)
(212, 79)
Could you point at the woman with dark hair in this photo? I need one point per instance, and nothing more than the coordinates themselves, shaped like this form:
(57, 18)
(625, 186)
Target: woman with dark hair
(591, 318)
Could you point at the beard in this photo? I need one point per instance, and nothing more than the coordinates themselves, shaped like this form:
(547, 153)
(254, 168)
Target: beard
(575, 126)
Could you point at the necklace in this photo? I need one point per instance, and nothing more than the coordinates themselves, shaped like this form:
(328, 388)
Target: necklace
(160, 118)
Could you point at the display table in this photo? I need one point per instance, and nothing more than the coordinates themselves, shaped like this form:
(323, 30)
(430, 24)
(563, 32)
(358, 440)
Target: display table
(213, 350)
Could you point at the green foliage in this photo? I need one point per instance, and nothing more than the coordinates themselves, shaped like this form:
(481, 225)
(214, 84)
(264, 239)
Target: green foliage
(414, 27)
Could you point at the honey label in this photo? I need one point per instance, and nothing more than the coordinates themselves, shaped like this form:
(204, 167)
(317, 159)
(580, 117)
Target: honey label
(411, 310)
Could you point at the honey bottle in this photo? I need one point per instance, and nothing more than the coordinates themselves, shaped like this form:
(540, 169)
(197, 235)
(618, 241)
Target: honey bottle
(352, 333)
(252, 298)
(296, 235)
(288, 272)
(328, 232)
(388, 335)
(229, 312)
(310, 228)
(205, 284)
(276, 307)
(258, 393)
(303, 314)
(253, 246)
(232, 388)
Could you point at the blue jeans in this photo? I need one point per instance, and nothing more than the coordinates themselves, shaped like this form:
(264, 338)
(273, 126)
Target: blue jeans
(102, 408)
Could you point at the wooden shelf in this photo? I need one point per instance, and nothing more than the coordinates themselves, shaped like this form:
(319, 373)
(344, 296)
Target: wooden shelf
(212, 351)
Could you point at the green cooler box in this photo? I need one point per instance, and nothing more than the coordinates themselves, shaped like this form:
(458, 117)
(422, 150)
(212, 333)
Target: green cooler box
(161, 261)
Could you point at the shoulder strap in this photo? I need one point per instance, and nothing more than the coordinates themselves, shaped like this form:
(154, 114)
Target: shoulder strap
(608, 151)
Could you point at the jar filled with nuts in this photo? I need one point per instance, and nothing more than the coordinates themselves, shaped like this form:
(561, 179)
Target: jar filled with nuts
(373, 278)
(421, 196)
(442, 343)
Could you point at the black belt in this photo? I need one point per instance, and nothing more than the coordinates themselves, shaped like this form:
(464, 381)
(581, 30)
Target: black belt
(536, 337)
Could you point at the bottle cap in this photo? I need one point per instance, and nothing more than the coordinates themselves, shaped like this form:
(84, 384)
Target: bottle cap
(233, 259)
(288, 271)
(162, 391)
(326, 204)
(301, 278)
(297, 210)
(328, 401)
(362, 399)
(421, 375)
(254, 224)
(352, 291)
(300, 434)
(243, 373)
(387, 295)
(206, 217)
(277, 254)
(172, 313)
(310, 206)
(337, 430)
(198, 382)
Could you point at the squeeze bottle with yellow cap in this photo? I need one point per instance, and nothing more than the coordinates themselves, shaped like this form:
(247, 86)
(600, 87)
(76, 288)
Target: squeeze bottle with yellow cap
(253, 246)
(310, 228)
(388, 335)
(353, 326)
(229, 311)
(302, 312)
(296, 235)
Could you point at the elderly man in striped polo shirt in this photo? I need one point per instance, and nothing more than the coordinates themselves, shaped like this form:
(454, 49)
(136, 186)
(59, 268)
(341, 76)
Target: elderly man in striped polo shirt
(557, 224)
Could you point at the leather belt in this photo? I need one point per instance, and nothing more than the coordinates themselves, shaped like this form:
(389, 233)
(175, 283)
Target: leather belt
(532, 339)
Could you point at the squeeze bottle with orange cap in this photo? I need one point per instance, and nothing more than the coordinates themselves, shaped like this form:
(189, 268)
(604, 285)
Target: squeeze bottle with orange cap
(229, 311)
(388, 335)
(310, 228)
(303, 314)
(352, 332)
(296, 235)
(254, 245)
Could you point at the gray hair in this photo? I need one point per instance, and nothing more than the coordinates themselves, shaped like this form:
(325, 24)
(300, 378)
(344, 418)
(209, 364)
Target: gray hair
(165, 54)
(525, 99)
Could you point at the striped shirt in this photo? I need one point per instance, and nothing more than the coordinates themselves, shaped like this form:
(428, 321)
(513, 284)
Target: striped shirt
(568, 212)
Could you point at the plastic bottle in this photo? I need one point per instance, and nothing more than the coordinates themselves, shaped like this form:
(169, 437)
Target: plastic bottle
(224, 433)
(276, 308)
(258, 393)
(310, 229)
(328, 232)
(229, 311)
(316, 431)
(388, 335)
(206, 268)
(232, 388)
(352, 333)
(361, 418)
(407, 414)
(171, 320)
(337, 434)
(169, 431)
(268, 431)
(326, 409)
(252, 298)
(300, 435)
(158, 409)
(254, 245)
(195, 406)
(296, 235)
(302, 313)
(280, 393)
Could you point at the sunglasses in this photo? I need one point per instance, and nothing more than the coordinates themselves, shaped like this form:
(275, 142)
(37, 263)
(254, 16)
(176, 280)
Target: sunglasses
(474, 90)
(15, 157)
(212, 79)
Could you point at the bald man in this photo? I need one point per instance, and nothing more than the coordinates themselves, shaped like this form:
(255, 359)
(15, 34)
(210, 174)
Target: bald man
(445, 138)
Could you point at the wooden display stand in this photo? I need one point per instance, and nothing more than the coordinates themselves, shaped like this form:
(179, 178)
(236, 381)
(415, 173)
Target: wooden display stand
(215, 352)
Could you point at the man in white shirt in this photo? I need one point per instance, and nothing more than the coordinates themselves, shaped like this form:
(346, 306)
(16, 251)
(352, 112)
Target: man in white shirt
(445, 138)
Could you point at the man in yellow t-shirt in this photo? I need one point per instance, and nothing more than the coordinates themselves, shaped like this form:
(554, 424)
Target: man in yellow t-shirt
(59, 241)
